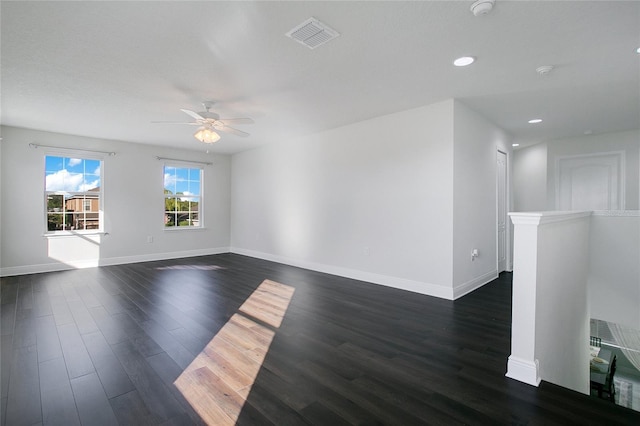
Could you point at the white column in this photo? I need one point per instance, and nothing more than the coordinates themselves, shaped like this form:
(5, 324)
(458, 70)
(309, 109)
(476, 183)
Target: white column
(522, 364)
(550, 315)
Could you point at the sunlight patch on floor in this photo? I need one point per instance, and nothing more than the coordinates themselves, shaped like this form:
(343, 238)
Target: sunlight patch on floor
(220, 378)
(195, 267)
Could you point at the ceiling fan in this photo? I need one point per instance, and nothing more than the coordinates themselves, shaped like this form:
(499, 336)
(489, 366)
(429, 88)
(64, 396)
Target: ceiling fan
(210, 122)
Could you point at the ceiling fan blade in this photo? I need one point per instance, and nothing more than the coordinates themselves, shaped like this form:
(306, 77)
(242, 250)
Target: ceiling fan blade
(175, 122)
(244, 120)
(231, 130)
(192, 114)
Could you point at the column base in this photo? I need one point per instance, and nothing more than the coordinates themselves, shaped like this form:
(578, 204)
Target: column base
(523, 370)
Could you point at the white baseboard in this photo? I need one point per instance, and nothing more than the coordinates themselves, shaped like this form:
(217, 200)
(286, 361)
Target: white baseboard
(81, 264)
(523, 370)
(473, 284)
(394, 282)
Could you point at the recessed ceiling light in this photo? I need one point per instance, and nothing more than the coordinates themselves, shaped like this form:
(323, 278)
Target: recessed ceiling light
(535, 121)
(515, 144)
(464, 61)
(638, 50)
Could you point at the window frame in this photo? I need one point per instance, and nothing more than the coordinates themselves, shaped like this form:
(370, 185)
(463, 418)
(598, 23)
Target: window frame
(73, 154)
(200, 197)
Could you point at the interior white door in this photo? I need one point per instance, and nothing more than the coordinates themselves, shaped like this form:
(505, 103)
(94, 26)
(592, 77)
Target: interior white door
(502, 210)
(590, 182)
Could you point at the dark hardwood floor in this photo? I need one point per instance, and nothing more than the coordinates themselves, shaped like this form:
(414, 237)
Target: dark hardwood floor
(229, 339)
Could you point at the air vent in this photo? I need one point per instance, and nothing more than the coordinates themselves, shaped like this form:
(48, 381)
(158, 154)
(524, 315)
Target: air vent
(312, 33)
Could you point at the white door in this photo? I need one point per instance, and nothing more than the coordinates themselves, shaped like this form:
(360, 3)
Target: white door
(502, 210)
(590, 182)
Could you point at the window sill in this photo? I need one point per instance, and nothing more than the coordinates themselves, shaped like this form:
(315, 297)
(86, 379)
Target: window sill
(74, 234)
(183, 228)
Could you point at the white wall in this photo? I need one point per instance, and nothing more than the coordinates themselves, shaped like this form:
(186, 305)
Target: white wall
(133, 206)
(628, 142)
(476, 142)
(562, 311)
(398, 200)
(372, 200)
(614, 268)
(530, 178)
(534, 167)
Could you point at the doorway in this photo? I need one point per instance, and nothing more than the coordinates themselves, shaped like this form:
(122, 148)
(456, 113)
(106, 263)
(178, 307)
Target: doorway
(590, 182)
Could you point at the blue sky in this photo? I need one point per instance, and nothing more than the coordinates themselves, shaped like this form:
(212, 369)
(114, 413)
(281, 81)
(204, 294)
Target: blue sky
(184, 180)
(71, 174)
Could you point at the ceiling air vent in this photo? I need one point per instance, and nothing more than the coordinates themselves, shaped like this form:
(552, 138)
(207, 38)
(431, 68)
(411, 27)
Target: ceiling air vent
(312, 33)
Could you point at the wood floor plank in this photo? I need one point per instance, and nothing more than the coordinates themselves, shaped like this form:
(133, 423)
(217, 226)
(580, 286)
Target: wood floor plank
(23, 399)
(152, 390)
(168, 371)
(47, 339)
(24, 334)
(41, 301)
(168, 343)
(60, 309)
(6, 359)
(9, 293)
(25, 299)
(7, 318)
(214, 401)
(130, 409)
(93, 405)
(112, 376)
(58, 403)
(83, 319)
(76, 356)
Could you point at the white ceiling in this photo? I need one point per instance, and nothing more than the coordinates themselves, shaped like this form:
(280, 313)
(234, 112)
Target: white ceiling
(108, 69)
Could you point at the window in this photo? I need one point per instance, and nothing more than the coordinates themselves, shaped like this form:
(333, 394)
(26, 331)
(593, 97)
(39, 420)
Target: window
(182, 197)
(73, 194)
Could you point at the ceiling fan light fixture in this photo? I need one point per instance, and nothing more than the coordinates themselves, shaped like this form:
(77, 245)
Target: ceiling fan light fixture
(464, 61)
(206, 135)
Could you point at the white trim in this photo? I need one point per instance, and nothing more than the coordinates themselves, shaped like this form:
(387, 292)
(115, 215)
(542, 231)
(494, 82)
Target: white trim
(622, 173)
(507, 227)
(523, 370)
(79, 233)
(474, 284)
(394, 282)
(81, 264)
(617, 213)
(543, 218)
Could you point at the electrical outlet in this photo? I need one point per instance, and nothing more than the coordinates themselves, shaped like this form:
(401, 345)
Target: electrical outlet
(366, 251)
(149, 238)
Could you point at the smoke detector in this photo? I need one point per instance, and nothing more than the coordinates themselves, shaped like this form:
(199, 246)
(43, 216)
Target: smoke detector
(482, 7)
(544, 70)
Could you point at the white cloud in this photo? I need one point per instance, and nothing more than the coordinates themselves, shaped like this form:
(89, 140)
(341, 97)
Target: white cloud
(169, 181)
(188, 198)
(74, 162)
(64, 181)
(97, 171)
(90, 185)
